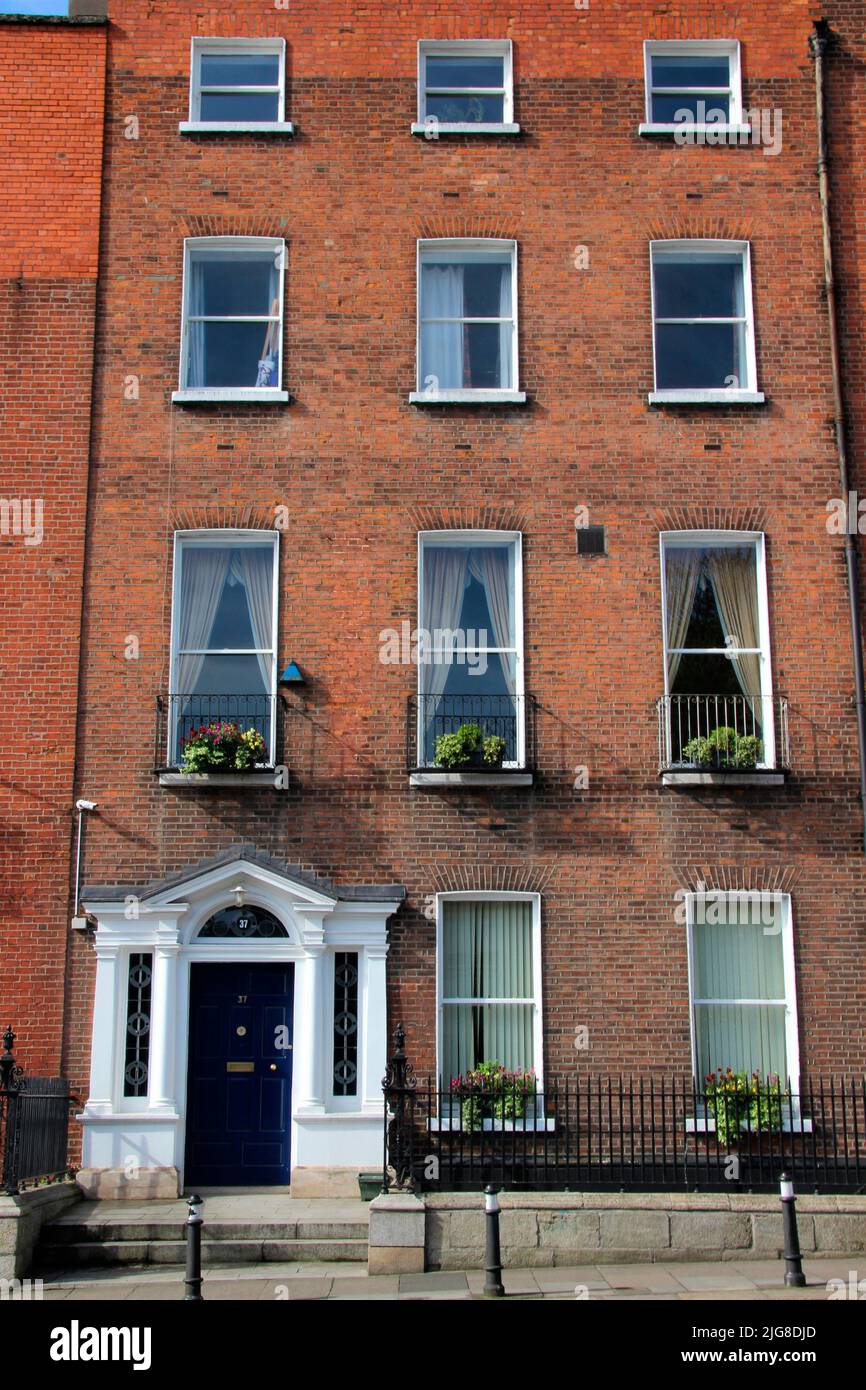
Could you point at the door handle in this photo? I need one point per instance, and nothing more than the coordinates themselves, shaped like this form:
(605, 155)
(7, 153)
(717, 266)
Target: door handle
(273, 1066)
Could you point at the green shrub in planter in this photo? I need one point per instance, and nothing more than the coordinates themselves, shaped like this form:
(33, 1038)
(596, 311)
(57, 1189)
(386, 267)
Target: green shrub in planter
(456, 750)
(493, 750)
(724, 747)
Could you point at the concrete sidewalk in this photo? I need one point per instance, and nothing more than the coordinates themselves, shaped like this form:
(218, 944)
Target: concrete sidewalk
(744, 1280)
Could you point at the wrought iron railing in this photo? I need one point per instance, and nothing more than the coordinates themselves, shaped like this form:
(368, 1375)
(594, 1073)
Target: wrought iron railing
(723, 733)
(34, 1123)
(510, 717)
(177, 716)
(617, 1133)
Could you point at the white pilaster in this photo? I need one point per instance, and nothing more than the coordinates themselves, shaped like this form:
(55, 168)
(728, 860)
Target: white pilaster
(162, 1019)
(375, 1029)
(311, 1014)
(103, 1056)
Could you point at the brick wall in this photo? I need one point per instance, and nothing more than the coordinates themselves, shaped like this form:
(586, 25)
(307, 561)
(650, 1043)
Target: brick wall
(360, 470)
(51, 100)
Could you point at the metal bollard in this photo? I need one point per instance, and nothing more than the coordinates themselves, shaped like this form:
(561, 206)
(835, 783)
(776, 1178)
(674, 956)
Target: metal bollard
(794, 1275)
(194, 1224)
(493, 1286)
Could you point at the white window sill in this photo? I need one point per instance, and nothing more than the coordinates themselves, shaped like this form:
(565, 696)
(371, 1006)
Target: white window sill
(767, 778)
(236, 127)
(437, 128)
(703, 1125)
(265, 395)
(217, 779)
(685, 127)
(722, 395)
(470, 779)
(467, 397)
(529, 1123)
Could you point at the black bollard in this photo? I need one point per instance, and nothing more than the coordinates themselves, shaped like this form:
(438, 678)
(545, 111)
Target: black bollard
(794, 1275)
(193, 1251)
(493, 1286)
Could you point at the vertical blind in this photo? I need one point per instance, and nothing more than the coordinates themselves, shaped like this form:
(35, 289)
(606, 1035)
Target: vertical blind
(488, 1002)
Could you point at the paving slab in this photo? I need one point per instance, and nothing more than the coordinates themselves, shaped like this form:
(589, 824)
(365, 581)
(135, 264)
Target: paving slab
(437, 1282)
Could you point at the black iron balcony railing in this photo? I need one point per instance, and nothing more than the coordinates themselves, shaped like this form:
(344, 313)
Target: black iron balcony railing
(509, 717)
(178, 716)
(723, 733)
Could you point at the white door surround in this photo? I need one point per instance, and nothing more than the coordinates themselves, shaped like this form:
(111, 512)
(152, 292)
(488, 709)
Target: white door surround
(135, 1146)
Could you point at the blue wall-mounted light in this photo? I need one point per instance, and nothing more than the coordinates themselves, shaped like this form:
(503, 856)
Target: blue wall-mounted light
(292, 675)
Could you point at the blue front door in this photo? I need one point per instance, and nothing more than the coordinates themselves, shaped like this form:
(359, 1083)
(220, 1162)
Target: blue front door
(239, 1093)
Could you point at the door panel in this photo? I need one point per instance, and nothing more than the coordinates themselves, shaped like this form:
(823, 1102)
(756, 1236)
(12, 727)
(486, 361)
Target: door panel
(239, 1089)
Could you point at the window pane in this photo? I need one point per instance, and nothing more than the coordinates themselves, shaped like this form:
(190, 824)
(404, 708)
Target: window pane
(451, 109)
(240, 106)
(693, 356)
(238, 282)
(487, 288)
(469, 588)
(745, 1037)
(468, 70)
(487, 356)
(716, 108)
(698, 284)
(690, 70)
(740, 957)
(229, 354)
(472, 1035)
(240, 70)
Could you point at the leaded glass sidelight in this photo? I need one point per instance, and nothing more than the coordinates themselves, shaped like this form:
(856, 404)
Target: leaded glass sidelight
(138, 1007)
(346, 1023)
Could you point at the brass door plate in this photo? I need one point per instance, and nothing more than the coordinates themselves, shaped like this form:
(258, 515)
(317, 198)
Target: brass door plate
(240, 1066)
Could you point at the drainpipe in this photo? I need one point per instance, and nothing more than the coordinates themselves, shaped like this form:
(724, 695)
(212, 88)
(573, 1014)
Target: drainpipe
(82, 807)
(819, 42)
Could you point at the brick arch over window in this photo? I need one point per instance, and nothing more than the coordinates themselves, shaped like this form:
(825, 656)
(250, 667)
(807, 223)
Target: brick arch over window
(238, 517)
(467, 519)
(712, 519)
(754, 878)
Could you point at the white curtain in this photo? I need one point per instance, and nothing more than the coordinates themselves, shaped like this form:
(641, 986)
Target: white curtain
(505, 329)
(736, 960)
(255, 569)
(196, 363)
(442, 592)
(734, 581)
(487, 954)
(682, 572)
(203, 576)
(492, 568)
(442, 343)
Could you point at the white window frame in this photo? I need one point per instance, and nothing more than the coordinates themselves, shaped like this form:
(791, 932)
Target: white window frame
(266, 394)
(447, 1122)
(683, 48)
(223, 537)
(449, 48)
(200, 47)
(468, 538)
(688, 540)
(424, 395)
(792, 1028)
(747, 392)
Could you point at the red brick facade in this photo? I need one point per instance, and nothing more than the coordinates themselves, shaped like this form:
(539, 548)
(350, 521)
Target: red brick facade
(51, 122)
(360, 471)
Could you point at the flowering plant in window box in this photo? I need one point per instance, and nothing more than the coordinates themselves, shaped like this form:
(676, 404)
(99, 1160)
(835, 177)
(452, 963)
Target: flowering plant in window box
(220, 747)
(738, 1101)
(467, 748)
(723, 748)
(492, 1092)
